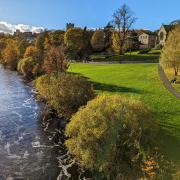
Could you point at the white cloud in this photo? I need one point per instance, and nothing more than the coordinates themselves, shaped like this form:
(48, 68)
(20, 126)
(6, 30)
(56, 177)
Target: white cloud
(10, 28)
(6, 27)
(23, 27)
(37, 29)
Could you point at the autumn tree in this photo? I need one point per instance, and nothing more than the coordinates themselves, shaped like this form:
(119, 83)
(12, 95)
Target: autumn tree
(98, 40)
(22, 45)
(55, 38)
(10, 54)
(65, 92)
(31, 51)
(26, 67)
(55, 60)
(123, 20)
(110, 135)
(170, 57)
(77, 41)
(3, 44)
(40, 45)
(29, 66)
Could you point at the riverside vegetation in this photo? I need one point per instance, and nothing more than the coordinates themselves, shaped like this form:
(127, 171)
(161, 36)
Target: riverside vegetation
(111, 134)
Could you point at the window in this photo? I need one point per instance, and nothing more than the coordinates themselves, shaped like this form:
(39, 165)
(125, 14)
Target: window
(161, 36)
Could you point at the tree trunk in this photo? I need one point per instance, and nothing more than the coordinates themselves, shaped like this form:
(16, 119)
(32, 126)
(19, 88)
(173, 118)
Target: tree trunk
(121, 51)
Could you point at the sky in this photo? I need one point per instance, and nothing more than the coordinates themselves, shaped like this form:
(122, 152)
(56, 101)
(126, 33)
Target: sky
(34, 15)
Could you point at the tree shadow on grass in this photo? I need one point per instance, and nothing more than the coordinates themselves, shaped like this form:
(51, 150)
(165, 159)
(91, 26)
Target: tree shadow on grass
(169, 142)
(111, 88)
(114, 88)
(169, 135)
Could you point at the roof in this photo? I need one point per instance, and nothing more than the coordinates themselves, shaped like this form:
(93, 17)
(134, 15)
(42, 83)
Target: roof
(167, 27)
(147, 32)
(175, 22)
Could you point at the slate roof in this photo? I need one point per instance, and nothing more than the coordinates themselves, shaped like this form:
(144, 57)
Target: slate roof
(168, 27)
(148, 32)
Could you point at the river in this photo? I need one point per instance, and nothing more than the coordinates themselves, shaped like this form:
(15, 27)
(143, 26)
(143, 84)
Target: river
(25, 150)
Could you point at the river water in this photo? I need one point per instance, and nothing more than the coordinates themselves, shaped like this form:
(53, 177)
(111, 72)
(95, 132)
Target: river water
(25, 151)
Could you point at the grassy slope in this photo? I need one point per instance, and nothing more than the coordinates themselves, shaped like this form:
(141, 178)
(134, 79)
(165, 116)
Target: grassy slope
(141, 81)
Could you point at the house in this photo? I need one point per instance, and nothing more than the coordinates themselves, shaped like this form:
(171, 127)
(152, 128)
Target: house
(147, 39)
(164, 31)
(163, 34)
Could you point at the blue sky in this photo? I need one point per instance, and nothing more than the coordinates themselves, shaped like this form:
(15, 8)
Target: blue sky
(53, 14)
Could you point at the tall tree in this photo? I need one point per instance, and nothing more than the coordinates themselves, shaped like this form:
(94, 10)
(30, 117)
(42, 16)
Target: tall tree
(40, 45)
(10, 54)
(77, 42)
(22, 45)
(55, 38)
(123, 20)
(55, 60)
(98, 40)
(170, 57)
(31, 51)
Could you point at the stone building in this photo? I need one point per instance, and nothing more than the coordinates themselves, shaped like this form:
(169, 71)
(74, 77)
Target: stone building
(164, 31)
(163, 34)
(69, 25)
(147, 39)
(29, 36)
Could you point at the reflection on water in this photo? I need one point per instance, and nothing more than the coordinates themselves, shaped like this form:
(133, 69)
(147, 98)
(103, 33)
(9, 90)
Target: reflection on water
(25, 151)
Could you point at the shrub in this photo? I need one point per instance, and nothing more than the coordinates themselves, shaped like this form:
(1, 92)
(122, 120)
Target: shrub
(64, 92)
(109, 135)
(26, 67)
(144, 51)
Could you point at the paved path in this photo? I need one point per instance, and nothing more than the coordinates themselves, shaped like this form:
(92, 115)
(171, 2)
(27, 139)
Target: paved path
(167, 83)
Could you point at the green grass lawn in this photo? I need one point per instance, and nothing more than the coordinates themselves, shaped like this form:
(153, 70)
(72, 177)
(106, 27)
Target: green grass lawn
(142, 82)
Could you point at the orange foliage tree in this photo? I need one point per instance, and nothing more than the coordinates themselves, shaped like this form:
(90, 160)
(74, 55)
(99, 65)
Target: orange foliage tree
(55, 60)
(31, 51)
(10, 54)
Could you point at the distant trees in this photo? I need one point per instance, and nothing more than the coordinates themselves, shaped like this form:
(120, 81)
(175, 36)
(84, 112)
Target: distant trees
(55, 60)
(40, 45)
(10, 54)
(123, 20)
(170, 57)
(77, 42)
(55, 39)
(74, 40)
(98, 40)
(22, 45)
